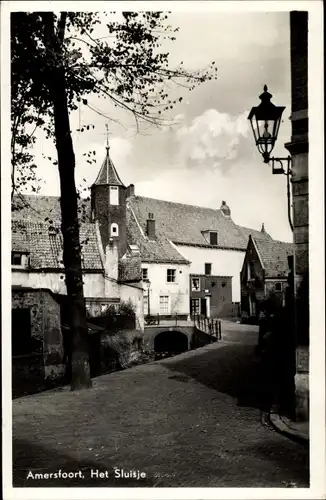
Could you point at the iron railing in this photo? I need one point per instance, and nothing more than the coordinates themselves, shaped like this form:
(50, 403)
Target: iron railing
(211, 326)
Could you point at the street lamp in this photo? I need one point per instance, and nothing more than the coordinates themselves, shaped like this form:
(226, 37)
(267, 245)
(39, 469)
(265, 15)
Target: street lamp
(265, 121)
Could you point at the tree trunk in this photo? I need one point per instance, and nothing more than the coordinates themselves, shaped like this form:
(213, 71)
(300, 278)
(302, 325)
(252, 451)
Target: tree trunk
(80, 367)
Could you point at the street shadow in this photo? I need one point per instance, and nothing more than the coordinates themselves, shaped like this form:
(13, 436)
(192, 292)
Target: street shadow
(30, 459)
(293, 458)
(233, 370)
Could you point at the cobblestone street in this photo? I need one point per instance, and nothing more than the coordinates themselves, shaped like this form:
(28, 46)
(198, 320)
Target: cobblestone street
(191, 420)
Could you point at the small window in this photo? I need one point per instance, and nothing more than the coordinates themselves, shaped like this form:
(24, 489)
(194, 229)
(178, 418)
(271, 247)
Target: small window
(164, 304)
(213, 238)
(16, 259)
(114, 195)
(194, 307)
(114, 229)
(144, 274)
(195, 284)
(251, 269)
(208, 268)
(278, 286)
(170, 275)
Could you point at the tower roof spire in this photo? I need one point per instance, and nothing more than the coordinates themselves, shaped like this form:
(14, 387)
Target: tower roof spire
(107, 137)
(108, 174)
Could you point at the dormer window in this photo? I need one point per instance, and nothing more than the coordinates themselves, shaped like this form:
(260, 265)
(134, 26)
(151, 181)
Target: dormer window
(213, 237)
(114, 195)
(19, 259)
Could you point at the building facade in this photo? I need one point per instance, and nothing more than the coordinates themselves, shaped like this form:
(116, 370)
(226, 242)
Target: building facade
(111, 267)
(191, 256)
(299, 150)
(265, 273)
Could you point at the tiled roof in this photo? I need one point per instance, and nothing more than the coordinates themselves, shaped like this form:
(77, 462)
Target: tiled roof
(159, 251)
(43, 242)
(185, 224)
(38, 208)
(108, 173)
(30, 233)
(130, 268)
(176, 222)
(274, 255)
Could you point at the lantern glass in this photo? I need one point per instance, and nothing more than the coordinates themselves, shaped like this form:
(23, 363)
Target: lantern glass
(265, 122)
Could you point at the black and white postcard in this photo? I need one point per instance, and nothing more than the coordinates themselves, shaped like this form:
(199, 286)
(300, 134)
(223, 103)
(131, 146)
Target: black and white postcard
(162, 250)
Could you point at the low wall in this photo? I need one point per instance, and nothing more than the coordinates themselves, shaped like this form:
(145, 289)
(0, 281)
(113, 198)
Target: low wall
(200, 339)
(114, 351)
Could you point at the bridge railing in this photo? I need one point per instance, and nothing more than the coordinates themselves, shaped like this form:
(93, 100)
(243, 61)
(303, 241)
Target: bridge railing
(156, 319)
(211, 326)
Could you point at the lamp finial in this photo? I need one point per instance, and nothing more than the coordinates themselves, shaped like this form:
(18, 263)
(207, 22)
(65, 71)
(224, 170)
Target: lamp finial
(265, 88)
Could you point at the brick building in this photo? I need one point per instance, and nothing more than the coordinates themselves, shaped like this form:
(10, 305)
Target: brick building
(264, 273)
(298, 148)
(111, 267)
(37, 339)
(191, 256)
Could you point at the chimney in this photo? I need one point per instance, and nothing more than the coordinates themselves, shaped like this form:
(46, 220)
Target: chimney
(130, 190)
(151, 227)
(263, 228)
(225, 209)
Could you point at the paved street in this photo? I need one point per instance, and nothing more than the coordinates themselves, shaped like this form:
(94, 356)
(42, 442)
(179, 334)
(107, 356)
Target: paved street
(191, 420)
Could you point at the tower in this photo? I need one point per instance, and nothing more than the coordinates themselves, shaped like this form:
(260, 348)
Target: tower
(108, 205)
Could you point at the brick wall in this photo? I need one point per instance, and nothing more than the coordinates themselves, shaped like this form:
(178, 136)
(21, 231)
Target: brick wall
(298, 147)
(107, 214)
(299, 67)
(46, 327)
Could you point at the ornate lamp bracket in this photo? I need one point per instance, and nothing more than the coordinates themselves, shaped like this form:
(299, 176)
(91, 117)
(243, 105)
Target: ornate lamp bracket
(280, 169)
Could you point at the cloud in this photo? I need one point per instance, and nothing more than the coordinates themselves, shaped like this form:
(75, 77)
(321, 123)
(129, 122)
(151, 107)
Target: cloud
(212, 138)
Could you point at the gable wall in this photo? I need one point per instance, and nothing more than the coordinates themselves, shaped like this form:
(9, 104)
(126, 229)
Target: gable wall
(177, 292)
(224, 263)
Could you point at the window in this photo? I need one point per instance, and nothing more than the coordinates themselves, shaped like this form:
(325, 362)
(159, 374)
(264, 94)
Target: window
(114, 229)
(213, 238)
(194, 307)
(16, 259)
(164, 304)
(278, 286)
(170, 275)
(195, 284)
(144, 273)
(251, 269)
(114, 195)
(208, 268)
(19, 259)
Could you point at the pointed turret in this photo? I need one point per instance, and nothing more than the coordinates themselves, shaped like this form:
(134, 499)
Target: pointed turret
(108, 202)
(108, 174)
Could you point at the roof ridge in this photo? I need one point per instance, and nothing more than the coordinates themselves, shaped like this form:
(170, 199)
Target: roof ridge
(271, 240)
(178, 203)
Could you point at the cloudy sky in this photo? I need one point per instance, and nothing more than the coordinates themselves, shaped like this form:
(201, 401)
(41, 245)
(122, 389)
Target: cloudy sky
(209, 154)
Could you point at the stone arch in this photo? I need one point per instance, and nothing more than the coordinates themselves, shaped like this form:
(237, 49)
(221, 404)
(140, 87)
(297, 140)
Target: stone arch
(170, 343)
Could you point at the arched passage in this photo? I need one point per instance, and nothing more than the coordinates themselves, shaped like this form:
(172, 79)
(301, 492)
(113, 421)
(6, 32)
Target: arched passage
(170, 343)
